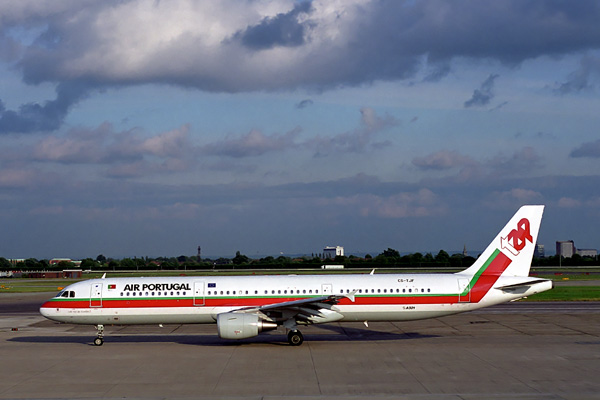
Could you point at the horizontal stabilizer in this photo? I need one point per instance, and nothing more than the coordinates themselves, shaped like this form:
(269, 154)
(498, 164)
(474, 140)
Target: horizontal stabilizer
(521, 284)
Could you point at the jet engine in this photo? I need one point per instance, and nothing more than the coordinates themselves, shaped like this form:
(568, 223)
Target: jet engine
(241, 325)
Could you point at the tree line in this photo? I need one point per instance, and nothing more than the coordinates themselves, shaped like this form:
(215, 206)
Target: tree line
(389, 258)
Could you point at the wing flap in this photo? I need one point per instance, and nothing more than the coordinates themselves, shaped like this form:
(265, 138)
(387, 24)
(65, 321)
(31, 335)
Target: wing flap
(310, 310)
(318, 302)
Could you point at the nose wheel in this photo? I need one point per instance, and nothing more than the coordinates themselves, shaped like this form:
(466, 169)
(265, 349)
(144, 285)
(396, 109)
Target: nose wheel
(100, 338)
(295, 337)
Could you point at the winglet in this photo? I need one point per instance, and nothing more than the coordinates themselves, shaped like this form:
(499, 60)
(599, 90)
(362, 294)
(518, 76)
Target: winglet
(103, 276)
(372, 272)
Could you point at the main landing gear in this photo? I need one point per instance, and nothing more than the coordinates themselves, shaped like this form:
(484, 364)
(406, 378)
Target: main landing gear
(295, 337)
(100, 338)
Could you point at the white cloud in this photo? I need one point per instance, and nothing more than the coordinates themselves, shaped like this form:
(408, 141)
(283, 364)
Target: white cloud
(252, 144)
(513, 198)
(125, 154)
(568, 202)
(421, 203)
(172, 144)
(355, 141)
(444, 159)
(20, 178)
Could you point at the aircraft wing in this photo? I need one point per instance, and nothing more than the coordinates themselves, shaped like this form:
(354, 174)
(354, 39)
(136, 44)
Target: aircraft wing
(305, 311)
(331, 299)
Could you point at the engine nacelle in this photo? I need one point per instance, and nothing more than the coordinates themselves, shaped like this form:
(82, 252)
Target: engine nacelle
(241, 325)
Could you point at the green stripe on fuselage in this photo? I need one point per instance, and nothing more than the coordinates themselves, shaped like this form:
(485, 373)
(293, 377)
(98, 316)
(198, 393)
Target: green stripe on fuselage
(475, 277)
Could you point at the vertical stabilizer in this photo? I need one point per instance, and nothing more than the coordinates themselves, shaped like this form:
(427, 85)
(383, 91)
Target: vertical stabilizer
(511, 252)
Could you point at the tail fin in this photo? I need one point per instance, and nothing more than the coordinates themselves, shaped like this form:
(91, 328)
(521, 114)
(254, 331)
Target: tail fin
(511, 252)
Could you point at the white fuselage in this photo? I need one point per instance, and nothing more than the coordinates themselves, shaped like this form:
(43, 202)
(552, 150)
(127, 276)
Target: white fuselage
(379, 297)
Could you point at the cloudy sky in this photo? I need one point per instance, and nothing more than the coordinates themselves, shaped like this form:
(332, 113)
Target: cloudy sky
(133, 128)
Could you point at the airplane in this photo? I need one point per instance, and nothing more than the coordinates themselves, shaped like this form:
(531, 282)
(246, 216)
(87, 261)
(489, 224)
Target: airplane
(244, 306)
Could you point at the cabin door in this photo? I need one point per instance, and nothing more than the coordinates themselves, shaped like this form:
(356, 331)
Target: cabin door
(464, 290)
(96, 295)
(199, 293)
(327, 289)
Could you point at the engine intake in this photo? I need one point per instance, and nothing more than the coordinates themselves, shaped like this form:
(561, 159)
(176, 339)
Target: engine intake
(241, 325)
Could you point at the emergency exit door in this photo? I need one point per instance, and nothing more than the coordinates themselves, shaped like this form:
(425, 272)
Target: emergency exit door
(199, 293)
(96, 295)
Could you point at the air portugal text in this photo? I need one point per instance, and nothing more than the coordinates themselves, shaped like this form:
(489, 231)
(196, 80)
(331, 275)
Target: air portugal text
(134, 287)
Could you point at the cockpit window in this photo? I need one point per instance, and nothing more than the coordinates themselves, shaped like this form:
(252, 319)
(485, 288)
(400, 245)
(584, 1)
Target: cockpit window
(71, 294)
(60, 294)
(64, 293)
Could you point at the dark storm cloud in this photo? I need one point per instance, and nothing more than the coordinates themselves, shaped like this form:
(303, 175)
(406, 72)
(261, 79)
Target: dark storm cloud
(438, 72)
(80, 45)
(484, 94)
(590, 149)
(281, 30)
(582, 78)
(34, 117)
(304, 103)
(310, 45)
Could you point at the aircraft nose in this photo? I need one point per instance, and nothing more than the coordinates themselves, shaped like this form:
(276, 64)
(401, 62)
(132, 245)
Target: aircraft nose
(45, 309)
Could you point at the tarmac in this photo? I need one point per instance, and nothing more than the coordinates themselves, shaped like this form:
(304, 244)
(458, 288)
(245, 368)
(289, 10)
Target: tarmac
(512, 351)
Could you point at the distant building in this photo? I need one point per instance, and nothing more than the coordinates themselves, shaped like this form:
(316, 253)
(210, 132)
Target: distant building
(56, 261)
(333, 251)
(66, 273)
(539, 251)
(72, 273)
(565, 249)
(587, 253)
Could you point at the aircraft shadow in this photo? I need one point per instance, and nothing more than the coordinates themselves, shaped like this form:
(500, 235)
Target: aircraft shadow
(345, 335)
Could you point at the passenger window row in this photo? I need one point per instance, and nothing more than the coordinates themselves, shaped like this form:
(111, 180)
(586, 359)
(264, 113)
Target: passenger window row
(310, 291)
(152, 294)
(266, 292)
(404, 290)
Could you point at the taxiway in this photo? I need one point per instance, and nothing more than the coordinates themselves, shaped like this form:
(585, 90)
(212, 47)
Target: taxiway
(516, 351)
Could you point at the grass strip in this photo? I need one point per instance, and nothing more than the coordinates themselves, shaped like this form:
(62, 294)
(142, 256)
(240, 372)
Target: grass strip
(568, 293)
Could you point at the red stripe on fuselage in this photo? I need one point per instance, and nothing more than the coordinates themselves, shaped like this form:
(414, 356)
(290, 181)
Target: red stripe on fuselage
(246, 302)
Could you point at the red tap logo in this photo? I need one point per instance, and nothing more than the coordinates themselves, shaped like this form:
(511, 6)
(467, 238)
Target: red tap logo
(518, 237)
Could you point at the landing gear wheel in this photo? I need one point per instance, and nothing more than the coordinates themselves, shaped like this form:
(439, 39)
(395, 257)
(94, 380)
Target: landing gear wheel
(295, 337)
(100, 338)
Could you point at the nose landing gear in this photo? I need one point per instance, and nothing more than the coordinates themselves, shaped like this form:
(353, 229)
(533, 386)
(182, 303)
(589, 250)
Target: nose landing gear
(100, 338)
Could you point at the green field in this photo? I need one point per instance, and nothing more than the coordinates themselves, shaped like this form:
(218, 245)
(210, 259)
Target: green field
(33, 285)
(569, 293)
